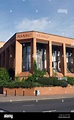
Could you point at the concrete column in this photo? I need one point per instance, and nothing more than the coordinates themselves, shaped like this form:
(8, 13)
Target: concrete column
(63, 60)
(50, 57)
(33, 52)
(34, 48)
(18, 58)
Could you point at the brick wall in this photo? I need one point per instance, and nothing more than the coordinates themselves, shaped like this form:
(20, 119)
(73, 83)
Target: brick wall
(43, 91)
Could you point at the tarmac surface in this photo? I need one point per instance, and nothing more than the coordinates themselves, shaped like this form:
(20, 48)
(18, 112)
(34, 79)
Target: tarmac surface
(10, 98)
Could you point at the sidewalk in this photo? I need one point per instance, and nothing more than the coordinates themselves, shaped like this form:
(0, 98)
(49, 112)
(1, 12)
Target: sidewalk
(26, 98)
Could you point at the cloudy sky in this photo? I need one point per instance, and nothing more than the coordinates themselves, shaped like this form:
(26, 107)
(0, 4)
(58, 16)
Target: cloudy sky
(50, 16)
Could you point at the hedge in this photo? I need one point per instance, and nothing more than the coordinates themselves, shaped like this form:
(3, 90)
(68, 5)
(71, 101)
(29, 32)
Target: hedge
(52, 81)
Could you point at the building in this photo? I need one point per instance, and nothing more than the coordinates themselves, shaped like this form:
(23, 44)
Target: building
(1, 43)
(51, 52)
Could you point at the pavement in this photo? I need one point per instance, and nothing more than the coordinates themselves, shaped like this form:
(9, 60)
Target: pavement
(10, 98)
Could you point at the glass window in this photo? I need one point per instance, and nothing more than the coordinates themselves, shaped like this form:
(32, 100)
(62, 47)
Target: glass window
(26, 57)
(41, 56)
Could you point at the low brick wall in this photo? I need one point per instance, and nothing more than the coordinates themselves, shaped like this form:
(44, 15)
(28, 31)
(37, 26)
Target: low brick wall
(43, 91)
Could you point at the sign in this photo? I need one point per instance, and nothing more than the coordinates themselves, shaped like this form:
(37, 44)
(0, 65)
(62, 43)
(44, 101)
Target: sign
(43, 36)
(23, 35)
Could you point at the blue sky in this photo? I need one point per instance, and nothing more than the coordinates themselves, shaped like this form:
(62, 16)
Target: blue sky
(50, 16)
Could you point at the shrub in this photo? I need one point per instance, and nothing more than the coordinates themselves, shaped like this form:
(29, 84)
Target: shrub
(3, 83)
(70, 80)
(52, 81)
(36, 73)
(4, 74)
(64, 83)
(61, 83)
(45, 81)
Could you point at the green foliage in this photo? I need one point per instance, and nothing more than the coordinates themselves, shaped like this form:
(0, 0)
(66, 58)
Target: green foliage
(36, 73)
(21, 84)
(70, 80)
(4, 76)
(34, 67)
(52, 81)
(31, 78)
(45, 81)
(61, 83)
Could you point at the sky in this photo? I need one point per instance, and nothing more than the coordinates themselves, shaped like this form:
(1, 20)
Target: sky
(49, 16)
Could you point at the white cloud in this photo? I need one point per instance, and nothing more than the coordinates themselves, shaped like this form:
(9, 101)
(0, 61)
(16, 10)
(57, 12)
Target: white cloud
(30, 24)
(44, 24)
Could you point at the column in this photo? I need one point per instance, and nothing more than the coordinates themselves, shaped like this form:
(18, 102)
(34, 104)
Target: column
(33, 52)
(18, 58)
(63, 60)
(49, 58)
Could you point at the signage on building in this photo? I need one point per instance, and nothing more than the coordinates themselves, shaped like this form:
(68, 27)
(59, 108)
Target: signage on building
(43, 36)
(23, 35)
(30, 35)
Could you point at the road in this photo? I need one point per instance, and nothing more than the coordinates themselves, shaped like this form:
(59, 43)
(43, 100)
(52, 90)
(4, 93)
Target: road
(54, 105)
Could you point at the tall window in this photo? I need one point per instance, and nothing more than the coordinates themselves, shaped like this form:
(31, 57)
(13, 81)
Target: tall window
(56, 58)
(41, 56)
(26, 57)
(69, 59)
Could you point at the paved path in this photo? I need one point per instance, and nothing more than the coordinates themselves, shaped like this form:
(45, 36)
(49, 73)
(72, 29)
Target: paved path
(26, 98)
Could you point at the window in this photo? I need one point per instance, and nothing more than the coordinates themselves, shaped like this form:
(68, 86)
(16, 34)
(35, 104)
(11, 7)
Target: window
(26, 57)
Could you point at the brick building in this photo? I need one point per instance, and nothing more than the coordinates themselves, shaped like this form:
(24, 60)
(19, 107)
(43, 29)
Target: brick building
(51, 52)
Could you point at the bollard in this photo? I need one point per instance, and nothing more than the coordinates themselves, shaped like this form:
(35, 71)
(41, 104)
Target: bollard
(23, 92)
(15, 93)
(5, 93)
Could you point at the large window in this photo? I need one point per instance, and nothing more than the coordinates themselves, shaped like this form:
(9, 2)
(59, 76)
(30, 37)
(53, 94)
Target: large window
(56, 58)
(41, 56)
(69, 59)
(26, 57)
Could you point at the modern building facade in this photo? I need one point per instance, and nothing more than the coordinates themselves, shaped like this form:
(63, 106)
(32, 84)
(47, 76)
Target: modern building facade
(51, 52)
